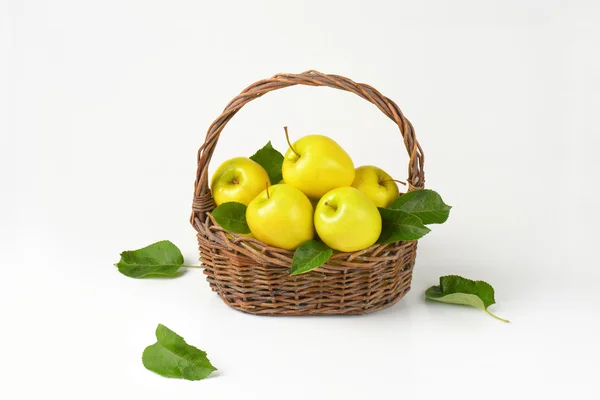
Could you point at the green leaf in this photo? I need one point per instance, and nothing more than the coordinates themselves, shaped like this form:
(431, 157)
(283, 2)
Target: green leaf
(433, 293)
(232, 217)
(399, 225)
(310, 255)
(159, 259)
(172, 357)
(425, 204)
(457, 284)
(454, 289)
(271, 160)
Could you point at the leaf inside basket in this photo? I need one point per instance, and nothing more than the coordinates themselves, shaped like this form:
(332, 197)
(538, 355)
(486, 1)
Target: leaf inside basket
(310, 255)
(232, 217)
(399, 225)
(425, 204)
(271, 160)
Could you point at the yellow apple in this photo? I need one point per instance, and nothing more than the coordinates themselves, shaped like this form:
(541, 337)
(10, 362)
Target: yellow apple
(239, 179)
(347, 220)
(315, 164)
(377, 184)
(281, 216)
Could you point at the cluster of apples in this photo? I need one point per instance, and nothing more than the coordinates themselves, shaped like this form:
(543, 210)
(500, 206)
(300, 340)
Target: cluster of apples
(321, 194)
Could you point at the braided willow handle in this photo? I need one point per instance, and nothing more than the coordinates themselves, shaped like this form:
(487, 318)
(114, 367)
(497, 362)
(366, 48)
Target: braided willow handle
(203, 201)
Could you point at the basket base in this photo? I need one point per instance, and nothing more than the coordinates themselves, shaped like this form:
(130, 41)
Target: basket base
(308, 311)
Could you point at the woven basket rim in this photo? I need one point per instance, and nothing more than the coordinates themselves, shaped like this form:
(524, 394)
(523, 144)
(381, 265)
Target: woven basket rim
(246, 245)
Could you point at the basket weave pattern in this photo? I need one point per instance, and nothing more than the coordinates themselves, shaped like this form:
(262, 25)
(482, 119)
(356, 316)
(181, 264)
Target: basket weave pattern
(253, 277)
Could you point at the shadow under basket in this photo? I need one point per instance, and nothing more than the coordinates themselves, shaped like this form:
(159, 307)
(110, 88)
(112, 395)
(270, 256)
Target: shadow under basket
(254, 277)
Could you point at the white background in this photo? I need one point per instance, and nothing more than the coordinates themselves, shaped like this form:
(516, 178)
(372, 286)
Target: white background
(104, 104)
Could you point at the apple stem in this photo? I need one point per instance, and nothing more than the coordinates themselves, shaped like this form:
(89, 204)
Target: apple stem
(268, 197)
(392, 180)
(287, 137)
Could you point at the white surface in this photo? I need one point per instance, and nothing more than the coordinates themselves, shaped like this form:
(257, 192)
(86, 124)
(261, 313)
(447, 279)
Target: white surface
(107, 102)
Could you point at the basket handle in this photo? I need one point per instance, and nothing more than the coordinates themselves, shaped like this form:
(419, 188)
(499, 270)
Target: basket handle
(203, 201)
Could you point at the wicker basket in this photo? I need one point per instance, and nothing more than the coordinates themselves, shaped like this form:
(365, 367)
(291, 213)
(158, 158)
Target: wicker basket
(253, 277)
